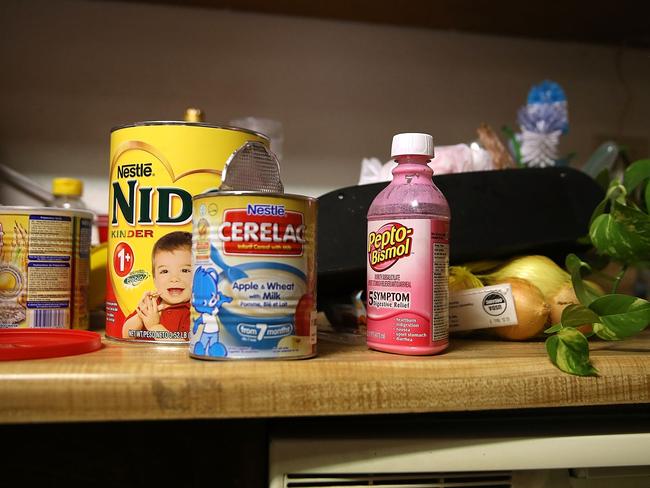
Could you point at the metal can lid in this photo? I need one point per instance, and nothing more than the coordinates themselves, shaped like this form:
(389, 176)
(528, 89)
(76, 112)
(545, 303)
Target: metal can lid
(55, 211)
(236, 193)
(190, 124)
(46, 343)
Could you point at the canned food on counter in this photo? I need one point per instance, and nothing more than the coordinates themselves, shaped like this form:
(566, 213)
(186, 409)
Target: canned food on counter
(254, 285)
(44, 267)
(155, 170)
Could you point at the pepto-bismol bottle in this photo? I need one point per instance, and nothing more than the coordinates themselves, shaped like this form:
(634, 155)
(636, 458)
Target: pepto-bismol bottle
(408, 256)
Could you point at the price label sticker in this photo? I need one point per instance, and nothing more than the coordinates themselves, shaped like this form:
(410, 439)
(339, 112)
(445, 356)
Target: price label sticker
(482, 308)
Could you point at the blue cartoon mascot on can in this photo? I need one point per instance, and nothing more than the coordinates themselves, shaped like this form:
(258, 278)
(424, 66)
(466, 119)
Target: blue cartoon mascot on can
(207, 300)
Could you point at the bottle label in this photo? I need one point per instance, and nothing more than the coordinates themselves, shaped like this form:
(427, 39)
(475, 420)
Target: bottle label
(408, 301)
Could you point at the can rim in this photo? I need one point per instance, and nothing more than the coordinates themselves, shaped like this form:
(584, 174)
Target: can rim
(190, 124)
(216, 193)
(253, 358)
(8, 209)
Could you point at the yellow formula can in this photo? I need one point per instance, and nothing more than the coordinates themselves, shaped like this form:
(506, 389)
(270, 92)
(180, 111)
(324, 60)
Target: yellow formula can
(254, 284)
(155, 170)
(44, 267)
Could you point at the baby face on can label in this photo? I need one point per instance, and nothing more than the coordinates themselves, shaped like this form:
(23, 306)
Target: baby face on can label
(172, 275)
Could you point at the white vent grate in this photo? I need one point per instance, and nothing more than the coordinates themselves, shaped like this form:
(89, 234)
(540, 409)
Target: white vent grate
(496, 479)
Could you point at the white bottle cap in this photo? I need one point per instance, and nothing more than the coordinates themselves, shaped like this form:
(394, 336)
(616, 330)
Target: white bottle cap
(412, 143)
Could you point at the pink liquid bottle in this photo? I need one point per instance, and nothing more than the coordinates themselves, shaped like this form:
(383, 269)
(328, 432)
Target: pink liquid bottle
(408, 256)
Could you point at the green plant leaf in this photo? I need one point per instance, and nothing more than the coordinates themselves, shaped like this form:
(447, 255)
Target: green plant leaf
(620, 316)
(553, 329)
(613, 192)
(635, 227)
(601, 233)
(551, 348)
(575, 315)
(623, 234)
(516, 145)
(619, 230)
(617, 192)
(584, 293)
(569, 351)
(636, 173)
(598, 211)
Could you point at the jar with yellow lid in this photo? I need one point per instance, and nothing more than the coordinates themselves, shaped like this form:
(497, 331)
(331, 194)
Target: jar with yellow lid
(67, 193)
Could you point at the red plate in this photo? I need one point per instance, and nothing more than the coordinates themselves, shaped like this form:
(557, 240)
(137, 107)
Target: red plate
(46, 343)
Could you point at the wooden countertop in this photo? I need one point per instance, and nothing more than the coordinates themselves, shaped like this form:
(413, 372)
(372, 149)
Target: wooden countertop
(140, 382)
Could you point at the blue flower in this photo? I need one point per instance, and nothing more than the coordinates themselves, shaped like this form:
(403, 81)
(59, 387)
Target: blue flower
(546, 92)
(543, 118)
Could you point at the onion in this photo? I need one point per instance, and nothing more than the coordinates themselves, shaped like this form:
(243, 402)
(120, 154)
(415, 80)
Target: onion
(566, 296)
(562, 299)
(542, 290)
(539, 270)
(532, 311)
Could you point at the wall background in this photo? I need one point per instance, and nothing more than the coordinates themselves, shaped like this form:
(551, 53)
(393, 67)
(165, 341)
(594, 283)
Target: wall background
(73, 69)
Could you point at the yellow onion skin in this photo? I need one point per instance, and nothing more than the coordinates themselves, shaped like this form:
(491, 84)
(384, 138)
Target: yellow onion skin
(533, 313)
(539, 270)
(567, 296)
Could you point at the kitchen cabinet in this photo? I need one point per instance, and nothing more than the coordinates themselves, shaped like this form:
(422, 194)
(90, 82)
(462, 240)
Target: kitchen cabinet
(620, 23)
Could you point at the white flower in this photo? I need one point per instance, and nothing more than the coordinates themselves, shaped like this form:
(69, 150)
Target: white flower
(539, 150)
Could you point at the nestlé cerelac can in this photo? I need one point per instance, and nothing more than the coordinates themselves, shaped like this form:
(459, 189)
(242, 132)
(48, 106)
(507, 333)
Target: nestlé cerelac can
(254, 284)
